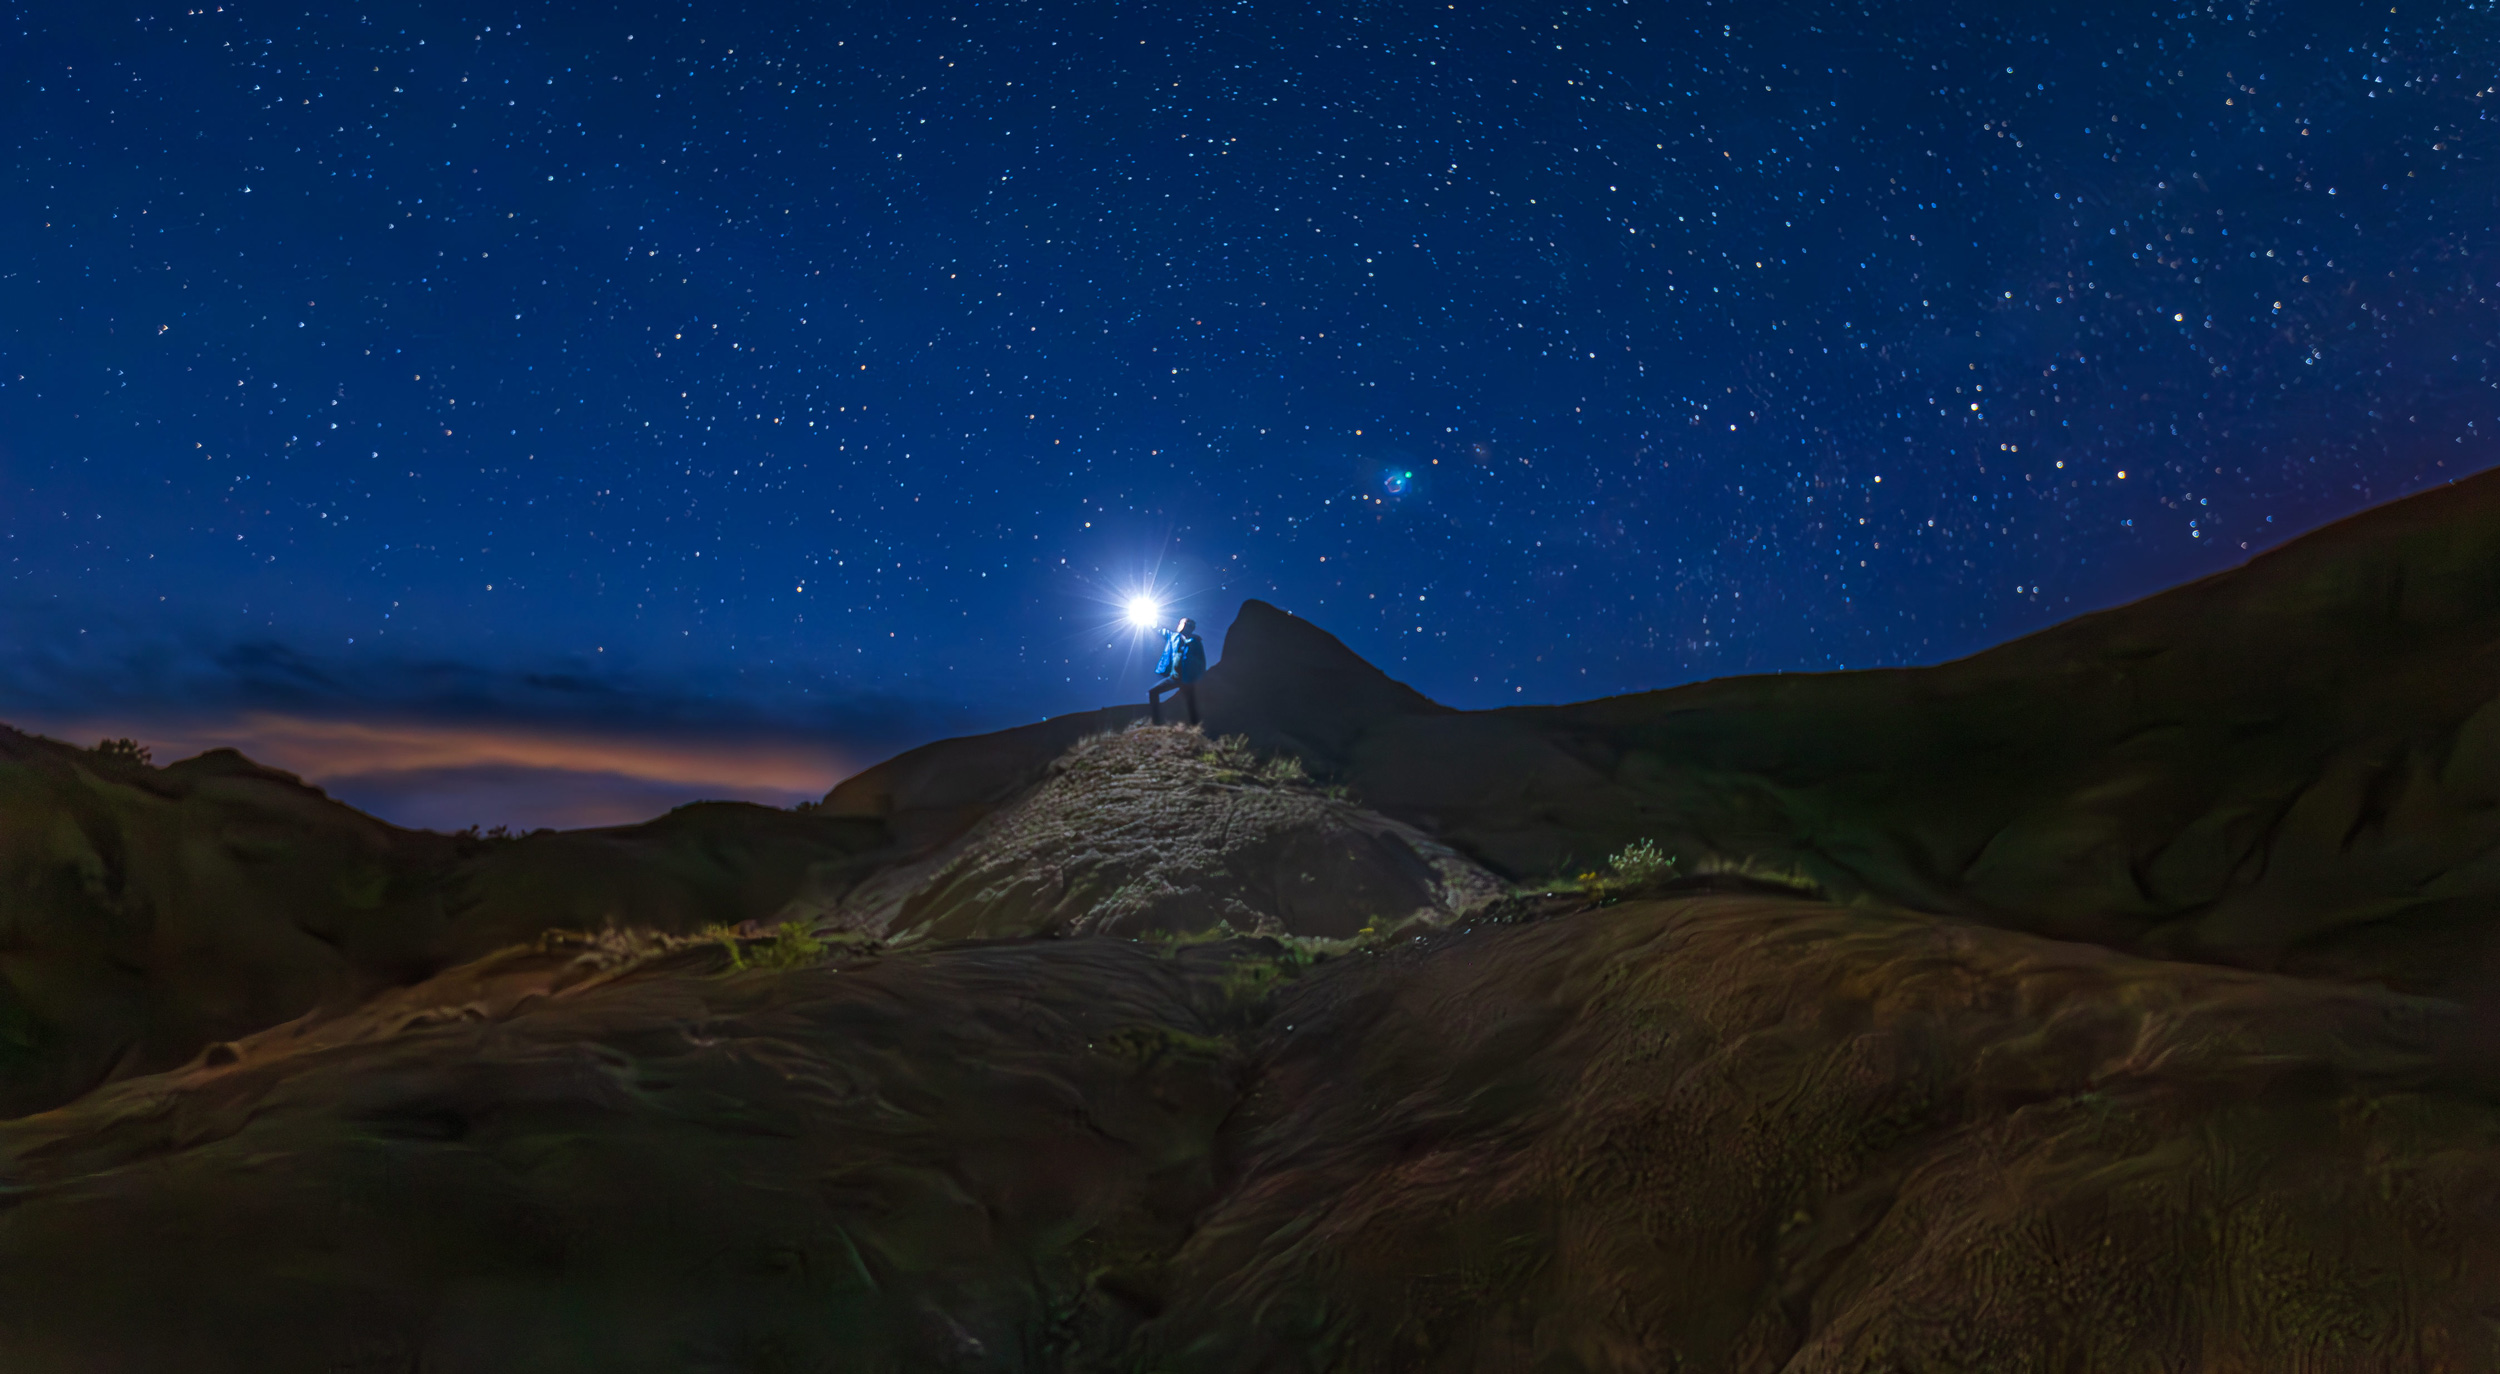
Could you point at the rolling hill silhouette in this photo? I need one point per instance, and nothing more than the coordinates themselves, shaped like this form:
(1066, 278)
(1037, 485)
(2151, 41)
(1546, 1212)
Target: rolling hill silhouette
(2119, 997)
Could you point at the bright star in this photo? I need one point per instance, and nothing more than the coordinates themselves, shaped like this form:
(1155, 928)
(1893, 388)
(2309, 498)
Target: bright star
(1144, 613)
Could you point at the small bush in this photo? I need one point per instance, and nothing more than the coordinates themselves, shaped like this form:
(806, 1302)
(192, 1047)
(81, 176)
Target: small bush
(1285, 769)
(1249, 981)
(122, 750)
(791, 945)
(1234, 751)
(1640, 862)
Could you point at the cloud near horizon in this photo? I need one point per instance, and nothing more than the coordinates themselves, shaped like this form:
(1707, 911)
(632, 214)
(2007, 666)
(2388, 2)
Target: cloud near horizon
(444, 775)
(439, 743)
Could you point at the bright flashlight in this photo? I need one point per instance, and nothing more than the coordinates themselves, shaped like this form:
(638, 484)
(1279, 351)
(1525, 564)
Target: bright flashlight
(1144, 613)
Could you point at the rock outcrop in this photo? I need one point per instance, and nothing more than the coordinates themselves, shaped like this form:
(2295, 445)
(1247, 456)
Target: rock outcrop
(1280, 682)
(1157, 830)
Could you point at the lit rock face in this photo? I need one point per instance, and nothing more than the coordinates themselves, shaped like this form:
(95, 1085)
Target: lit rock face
(1158, 829)
(1283, 684)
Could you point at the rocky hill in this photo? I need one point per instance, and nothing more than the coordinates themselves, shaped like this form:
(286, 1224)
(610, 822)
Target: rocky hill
(2117, 998)
(2294, 764)
(1150, 830)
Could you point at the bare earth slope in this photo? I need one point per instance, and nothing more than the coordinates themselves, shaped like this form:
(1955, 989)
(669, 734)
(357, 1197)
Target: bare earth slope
(1718, 1133)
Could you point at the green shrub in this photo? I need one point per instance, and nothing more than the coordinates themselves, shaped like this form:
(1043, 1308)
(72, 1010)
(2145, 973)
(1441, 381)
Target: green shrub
(1285, 769)
(1640, 862)
(791, 945)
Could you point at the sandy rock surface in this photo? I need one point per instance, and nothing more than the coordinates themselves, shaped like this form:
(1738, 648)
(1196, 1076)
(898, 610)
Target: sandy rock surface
(1161, 830)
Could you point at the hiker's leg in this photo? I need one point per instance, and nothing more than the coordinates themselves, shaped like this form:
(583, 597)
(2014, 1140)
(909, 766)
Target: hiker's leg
(1189, 698)
(1154, 699)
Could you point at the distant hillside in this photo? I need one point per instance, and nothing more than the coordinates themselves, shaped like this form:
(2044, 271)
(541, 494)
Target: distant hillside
(2293, 765)
(150, 911)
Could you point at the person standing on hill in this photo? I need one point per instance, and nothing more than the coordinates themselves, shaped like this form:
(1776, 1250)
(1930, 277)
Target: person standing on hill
(1184, 661)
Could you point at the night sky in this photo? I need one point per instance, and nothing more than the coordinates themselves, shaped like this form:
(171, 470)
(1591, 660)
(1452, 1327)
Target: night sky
(548, 414)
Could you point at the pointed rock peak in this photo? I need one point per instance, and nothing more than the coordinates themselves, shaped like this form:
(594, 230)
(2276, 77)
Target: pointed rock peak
(1269, 650)
(1282, 682)
(1289, 685)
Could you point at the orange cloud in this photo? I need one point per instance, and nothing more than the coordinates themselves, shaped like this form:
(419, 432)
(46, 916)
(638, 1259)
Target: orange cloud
(318, 747)
(371, 754)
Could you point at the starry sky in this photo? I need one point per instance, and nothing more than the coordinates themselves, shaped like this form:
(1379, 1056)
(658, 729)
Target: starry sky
(550, 413)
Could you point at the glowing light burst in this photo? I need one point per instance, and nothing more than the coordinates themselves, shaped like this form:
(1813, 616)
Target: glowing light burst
(1138, 607)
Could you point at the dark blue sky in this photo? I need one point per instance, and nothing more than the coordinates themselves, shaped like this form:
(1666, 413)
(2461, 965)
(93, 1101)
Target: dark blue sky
(776, 372)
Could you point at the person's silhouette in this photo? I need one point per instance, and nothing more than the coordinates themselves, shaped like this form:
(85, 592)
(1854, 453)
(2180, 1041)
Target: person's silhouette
(1184, 660)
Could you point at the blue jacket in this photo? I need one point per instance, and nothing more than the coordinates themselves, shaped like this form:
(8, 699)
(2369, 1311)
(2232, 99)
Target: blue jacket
(1184, 656)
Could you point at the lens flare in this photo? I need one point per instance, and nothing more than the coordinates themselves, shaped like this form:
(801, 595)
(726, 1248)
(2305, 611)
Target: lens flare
(1143, 612)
